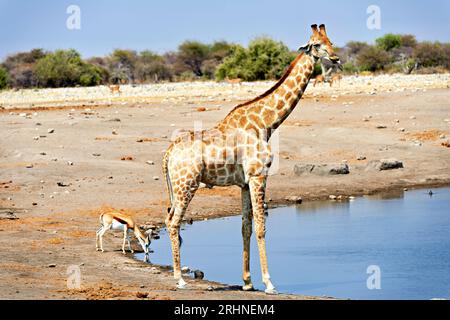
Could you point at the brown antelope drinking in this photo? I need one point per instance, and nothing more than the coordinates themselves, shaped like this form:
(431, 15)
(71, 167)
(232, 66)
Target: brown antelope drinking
(237, 152)
(123, 222)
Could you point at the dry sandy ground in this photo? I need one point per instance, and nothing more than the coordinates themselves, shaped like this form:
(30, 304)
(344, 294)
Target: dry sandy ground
(82, 147)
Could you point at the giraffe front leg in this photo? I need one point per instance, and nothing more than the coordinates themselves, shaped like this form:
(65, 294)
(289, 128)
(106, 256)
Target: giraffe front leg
(257, 191)
(125, 235)
(246, 235)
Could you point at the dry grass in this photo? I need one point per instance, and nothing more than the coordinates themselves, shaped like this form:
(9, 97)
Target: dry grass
(428, 135)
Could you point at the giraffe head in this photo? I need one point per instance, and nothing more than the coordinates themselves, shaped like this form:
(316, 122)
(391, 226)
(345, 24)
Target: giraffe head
(320, 47)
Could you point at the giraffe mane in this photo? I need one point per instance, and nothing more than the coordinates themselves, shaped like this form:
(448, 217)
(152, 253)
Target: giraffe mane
(275, 87)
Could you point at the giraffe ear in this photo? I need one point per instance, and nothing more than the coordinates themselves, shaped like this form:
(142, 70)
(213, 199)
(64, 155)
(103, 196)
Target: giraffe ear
(305, 48)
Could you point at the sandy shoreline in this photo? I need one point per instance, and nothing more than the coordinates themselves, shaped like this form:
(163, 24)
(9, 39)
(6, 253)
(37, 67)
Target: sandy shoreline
(45, 142)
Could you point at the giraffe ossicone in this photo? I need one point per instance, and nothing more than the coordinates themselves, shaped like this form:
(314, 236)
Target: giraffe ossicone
(237, 152)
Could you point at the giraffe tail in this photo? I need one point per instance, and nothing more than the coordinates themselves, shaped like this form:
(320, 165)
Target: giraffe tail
(165, 168)
(171, 209)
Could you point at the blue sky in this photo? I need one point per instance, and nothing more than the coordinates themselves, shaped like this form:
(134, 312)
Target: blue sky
(162, 25)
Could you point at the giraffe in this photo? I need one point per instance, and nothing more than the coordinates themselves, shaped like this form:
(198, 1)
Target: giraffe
(237, 152)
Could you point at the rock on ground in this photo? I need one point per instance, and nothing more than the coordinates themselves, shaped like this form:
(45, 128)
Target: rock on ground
(384, 164)
(322, 169)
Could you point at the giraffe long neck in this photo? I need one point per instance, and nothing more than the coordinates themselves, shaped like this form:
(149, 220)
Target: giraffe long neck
(279, 104)
(268, 111)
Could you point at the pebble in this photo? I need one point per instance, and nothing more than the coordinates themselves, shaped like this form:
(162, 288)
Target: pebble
(50, 130)
(156, 178)
(29, 166)
(52, 265)
(361, 158)
(151, 163)
(332, 197)
(70, 163)
(381, 126)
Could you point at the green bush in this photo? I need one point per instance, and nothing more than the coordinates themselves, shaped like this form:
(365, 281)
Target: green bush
(373, 59)
(4, 78)
(65, 68)
(263, 60)
(389, 41)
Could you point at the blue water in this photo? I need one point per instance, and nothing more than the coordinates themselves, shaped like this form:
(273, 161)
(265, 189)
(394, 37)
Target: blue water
(325, 248)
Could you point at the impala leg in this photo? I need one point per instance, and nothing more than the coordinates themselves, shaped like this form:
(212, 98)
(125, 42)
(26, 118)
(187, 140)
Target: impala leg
(101, 234)
(129, 244)
(97, 235)
(257, 192)
(246, 235)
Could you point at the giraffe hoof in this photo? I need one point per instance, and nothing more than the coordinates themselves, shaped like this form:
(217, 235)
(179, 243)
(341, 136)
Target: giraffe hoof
(181, 284)
(248, 287)
(271, 291)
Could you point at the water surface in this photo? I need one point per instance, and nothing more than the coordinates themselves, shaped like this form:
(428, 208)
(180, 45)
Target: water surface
(325, 248)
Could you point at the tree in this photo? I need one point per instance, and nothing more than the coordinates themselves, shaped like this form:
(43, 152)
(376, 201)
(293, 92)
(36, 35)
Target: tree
(190, 57)
(20, 67)
(218, 51)
(408, 40)
(122, 65)
(264, 59)
(354, 47)
(389, 41)
(152, 67)
(4, 78)
(65, 68)
(373, 59)
(428, 54)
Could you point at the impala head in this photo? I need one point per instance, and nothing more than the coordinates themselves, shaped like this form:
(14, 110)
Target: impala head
(320, 47)
(145, 241)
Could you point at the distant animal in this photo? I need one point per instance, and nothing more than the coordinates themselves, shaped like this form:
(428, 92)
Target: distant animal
(115, 88)
(120, 221)
(336, 78)
(319, 79)
(237, 81)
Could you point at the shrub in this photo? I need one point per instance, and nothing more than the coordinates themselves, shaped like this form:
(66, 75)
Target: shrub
(20, 67)
(65, 68)
(389, 41)
(349, 68)
(408, 40)
(4, 78)
(151, 67)
(264, 59)
(373, 59)
(122, 65)
(429, 54)
(355, 47)
(190, 57)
